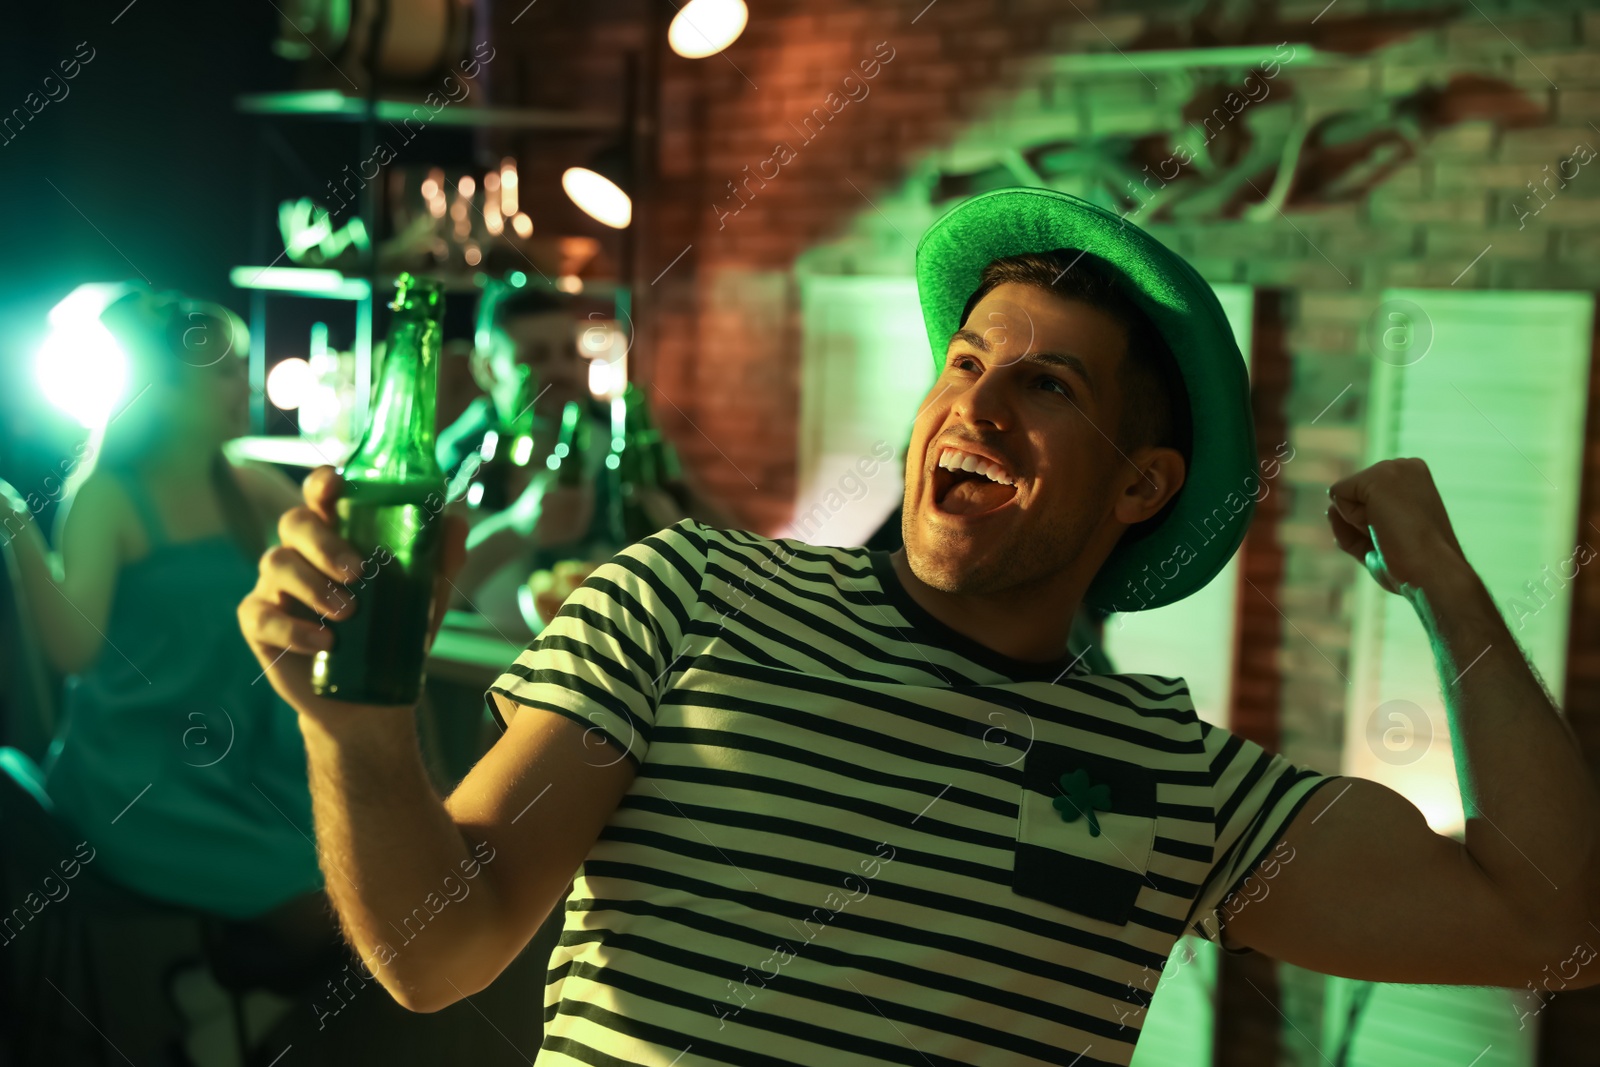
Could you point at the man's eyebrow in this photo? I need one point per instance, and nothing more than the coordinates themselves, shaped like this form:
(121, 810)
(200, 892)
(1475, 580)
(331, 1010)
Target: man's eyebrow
(1047, 359)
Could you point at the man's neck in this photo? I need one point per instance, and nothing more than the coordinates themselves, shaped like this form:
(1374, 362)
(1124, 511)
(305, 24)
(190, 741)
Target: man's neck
(1024, 624)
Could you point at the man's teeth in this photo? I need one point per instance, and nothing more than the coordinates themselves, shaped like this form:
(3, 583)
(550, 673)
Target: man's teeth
(954, 459)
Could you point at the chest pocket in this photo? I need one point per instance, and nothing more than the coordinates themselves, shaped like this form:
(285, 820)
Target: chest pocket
(1061, 861)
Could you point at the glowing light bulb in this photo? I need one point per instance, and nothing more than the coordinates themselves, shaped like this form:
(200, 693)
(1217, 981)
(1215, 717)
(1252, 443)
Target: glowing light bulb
(289, 383)
(598, 196)
(80, 367)
(508, 187)
(705, 27)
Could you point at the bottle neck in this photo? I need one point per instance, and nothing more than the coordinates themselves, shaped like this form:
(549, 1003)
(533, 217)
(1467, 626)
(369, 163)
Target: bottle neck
(399, 442)
(575, 436)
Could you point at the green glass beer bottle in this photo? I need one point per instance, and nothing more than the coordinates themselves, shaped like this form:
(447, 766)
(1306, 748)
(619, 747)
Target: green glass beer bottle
(505, 447)
(665, 468)
(390, 513)
(572, 443)
(635, 468)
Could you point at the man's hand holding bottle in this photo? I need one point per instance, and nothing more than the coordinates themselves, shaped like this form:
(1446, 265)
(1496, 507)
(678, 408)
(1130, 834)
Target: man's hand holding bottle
(306, 580)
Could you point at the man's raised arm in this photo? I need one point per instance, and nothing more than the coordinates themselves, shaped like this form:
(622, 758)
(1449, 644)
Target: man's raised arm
(435, 896)
(1372, 892)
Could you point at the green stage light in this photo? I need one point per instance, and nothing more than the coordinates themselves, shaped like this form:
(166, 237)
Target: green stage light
(80, 368)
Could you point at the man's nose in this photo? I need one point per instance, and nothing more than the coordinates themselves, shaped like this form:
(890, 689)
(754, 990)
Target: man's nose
(987, 400)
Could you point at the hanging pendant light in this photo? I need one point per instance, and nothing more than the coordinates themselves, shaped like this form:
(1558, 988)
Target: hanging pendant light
(705, 27)
(601, 189)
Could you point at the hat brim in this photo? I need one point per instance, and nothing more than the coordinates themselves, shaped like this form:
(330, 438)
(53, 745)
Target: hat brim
(1214, 507)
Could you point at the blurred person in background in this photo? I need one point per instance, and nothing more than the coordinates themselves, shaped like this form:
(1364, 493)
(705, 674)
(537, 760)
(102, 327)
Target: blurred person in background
(523, 522)
(163, 732)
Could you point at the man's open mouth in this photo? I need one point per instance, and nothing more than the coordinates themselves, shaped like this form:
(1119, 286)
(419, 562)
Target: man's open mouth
(969, 493)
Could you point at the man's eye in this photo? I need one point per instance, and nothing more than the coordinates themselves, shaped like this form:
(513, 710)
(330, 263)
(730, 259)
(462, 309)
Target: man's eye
(1058, 383)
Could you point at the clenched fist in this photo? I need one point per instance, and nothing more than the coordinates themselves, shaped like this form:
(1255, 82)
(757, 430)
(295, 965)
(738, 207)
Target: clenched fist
(1390, 518)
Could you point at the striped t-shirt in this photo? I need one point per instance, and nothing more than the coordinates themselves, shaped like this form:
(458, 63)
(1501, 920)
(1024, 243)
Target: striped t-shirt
(849, 839)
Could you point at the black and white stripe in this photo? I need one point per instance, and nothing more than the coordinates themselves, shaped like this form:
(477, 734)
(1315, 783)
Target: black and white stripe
(840, 847)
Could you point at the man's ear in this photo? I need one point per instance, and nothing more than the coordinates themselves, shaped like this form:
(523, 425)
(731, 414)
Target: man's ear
(1158, 476)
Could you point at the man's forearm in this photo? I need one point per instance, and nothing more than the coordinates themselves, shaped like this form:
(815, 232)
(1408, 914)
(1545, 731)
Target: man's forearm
(413, 894)
(1531, 807)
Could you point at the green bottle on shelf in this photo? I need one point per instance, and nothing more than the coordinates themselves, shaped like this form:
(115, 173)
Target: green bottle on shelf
(390, 512)
(505, 448)
(572, 444)
(636, 471)
(662, 461)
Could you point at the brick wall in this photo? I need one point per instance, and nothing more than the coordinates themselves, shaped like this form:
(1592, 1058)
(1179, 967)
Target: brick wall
(1410, 186)
(1570, 1025)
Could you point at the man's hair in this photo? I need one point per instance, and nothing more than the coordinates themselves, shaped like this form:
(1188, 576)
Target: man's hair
(1155, 401)
(501, 302)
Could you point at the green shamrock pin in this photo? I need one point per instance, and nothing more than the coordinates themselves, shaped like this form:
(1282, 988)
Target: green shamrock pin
(1081, 798)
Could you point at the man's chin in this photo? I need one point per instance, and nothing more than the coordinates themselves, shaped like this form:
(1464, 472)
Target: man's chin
(950, 563)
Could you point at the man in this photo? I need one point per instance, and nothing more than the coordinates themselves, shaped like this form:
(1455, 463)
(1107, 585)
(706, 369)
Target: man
(829, 806)
(526, 359)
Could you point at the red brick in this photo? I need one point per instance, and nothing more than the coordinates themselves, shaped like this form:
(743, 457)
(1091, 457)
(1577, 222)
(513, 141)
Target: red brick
(1417, 47)
(1563, 69)
(1476, 35)
(1350, 242)
(1431, 274)
(1076, 34)
(1051, 9)
(1294, 11)
(1411, 179)
(1543, 145)
(1313, 272)
(1473, 139)
(1385, 209)
(1325, 337)
(1577, 107)
(1453, 243)
(837, 23)
(1581, 276)
(1320, 105)
(1462, 176)
(989, 40)
(1127, 118)
(1250, 239)
(1580, 243)
(1217, 269)
(1345, 77)
(1564, 209)
(1173, 236)
(1338, 307)
(1026, 131)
